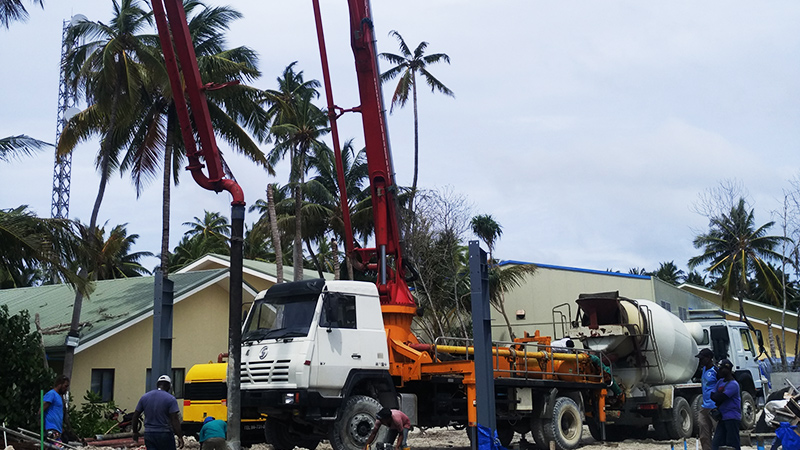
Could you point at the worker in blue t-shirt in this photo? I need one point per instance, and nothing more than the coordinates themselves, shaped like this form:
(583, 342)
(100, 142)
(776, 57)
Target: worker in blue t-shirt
(727, 397)
(213, 434)
(705, 424)
(53, 408)
(160, 417)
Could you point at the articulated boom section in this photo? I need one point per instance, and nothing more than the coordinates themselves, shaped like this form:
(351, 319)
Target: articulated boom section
(387, 254)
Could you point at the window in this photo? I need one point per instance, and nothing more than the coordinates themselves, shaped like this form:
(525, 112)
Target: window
(103, 383)
(747, 341)
(339, 311)
(666, 305)
(178, 376)
(682, 312)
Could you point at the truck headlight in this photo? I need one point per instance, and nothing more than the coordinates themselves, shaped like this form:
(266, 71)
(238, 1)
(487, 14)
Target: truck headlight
(289, 398)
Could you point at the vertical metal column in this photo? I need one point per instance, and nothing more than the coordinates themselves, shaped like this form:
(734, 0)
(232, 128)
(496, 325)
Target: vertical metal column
(482, 333)
(235, 329)
(162, 328)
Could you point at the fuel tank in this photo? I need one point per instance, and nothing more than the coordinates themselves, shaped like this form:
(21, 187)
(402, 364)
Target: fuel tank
(644, 342)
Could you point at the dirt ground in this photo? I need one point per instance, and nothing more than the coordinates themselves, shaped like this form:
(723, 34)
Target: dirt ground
(444, 438)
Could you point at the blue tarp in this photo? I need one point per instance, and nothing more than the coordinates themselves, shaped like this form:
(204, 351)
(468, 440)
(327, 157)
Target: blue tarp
(487, 439)
(789, 439)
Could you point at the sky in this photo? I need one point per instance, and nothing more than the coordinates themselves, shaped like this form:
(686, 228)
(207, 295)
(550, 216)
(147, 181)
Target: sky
(588, 130)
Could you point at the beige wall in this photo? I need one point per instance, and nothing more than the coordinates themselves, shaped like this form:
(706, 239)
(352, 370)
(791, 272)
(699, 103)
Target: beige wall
(200, 330)
(550, 287)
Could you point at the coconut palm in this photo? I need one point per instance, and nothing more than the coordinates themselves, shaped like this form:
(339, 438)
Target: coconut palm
(233, 109)
(14, 10)
(737, 252)
(21, 145)
(29, 243)
(109, 69)
(502, 280)
(268, 220)
(113, 259)
(212, 227)
(299, 138)
(488, 230)
(407, 64)
(670, 273)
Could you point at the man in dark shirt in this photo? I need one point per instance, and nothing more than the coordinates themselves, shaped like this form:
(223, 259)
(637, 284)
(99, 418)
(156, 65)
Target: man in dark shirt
(160, 417)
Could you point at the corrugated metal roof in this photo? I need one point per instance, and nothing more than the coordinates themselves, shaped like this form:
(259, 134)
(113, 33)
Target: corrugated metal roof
(576, 269)
(112, 303)
(266, 268)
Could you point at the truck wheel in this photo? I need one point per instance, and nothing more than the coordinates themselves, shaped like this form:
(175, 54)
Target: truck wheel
(566, 425)
(748, 411)
(537, 431)
(276, 433)
(697, 405)
(505, 433)
(680, 423)
(354, 423)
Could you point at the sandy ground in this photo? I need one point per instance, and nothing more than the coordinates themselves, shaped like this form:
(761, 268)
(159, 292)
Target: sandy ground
(443, 438)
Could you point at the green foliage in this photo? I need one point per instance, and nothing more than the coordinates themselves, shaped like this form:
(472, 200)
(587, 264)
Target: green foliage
(22, 371)
(93, 416)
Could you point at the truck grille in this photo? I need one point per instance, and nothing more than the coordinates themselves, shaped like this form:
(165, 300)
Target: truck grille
(275, 371)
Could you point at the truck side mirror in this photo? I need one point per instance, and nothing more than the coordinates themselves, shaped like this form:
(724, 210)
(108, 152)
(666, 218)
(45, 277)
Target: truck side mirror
(760, 339)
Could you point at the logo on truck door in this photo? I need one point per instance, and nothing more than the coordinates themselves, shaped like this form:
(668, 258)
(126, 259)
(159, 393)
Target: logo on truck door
(263, 353)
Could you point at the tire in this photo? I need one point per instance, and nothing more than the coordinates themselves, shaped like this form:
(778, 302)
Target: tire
(749, 411)
(505, 433)
(566, 425)
(697, 405)
(354, 423)
(537, 431)
(276, 434)
(680, 421)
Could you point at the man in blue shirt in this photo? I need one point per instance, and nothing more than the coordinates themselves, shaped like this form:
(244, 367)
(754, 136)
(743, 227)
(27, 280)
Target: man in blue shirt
(708, 381)
(160, 417)
(728, 398)
(53, 408)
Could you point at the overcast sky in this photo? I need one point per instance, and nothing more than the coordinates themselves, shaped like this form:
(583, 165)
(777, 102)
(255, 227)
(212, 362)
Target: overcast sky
(587, 129)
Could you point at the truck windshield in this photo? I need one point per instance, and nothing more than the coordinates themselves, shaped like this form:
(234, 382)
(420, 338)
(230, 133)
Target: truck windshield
(280, 317)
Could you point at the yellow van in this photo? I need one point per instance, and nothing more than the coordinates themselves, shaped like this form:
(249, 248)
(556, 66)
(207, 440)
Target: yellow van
(205, 394)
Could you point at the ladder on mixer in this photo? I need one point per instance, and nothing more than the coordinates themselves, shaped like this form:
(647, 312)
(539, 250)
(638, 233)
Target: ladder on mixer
(650, 343)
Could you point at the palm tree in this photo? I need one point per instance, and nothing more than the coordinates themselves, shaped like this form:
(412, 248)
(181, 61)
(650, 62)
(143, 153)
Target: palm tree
(407, 65)
(669, 273)
(14, 10)
(29, 243)
(736, 252)
(109, 69)
(20, 145)
(695, 278)
(213, 227)
(300, 139)
(502, 280)
(157, 136)
(488, 230)
(114, 258)
(268, 220)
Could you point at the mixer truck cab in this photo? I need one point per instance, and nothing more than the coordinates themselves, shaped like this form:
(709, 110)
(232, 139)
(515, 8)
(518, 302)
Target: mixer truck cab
(652, 357)
(306, 344)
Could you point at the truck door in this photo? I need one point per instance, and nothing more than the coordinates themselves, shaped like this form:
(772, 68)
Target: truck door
(341, 345)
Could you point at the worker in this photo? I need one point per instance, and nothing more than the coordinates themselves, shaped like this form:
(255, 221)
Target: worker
(53, 408)
(160, 417)
(213, 434)
(708, 382)
(727, 397)
(398, 425)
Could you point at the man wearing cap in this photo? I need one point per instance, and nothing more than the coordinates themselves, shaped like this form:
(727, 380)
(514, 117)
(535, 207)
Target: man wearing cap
(708, 382)
(213, 434)
(398, 424)
(160, 417)
(727, 397)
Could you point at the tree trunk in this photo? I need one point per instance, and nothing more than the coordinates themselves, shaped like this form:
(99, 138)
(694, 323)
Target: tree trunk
(314, 258)
(796, 362)
(41, 339)
(276, 236)
(165, 206)
(297, 256)
(336, 266)
(105, 147)
(771, 340)
(501, 308)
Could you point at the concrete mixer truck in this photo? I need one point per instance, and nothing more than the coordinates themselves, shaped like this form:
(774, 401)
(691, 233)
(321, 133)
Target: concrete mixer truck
(651, 353)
